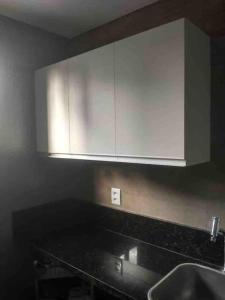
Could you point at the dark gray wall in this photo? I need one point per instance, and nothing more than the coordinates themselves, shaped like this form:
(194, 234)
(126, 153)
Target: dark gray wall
(26, 179)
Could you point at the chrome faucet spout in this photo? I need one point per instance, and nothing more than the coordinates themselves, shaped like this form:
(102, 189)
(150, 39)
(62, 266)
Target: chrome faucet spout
(215, 229)
(214, 232)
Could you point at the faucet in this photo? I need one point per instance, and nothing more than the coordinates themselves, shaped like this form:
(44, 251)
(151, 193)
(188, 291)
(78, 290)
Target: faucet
(215, 229)
(214, 232)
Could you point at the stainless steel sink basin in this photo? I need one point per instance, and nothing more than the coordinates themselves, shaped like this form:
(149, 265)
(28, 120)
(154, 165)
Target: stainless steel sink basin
(190, 282)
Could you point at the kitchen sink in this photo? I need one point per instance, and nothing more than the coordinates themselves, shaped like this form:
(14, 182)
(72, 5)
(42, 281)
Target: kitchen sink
(190, 282)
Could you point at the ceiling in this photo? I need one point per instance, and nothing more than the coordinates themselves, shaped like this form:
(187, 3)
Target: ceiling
(69, 17)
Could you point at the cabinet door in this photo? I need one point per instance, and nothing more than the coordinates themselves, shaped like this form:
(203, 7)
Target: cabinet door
(91, 102)
(52, 114)
(149, 91)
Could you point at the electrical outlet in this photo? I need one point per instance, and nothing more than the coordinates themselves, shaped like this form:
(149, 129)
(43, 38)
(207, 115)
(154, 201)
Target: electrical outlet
(115, 196)
(119, 265)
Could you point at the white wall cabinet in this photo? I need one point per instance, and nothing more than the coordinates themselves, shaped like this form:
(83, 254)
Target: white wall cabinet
(91, 102)
(52, 109)
(150, 93)
(162, 93)
(144, 99)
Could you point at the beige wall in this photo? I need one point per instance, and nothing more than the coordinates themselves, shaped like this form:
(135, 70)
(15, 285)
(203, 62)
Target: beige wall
(187, 196)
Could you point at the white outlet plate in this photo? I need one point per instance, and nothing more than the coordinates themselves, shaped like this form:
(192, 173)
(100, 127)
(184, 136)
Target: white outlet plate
(115, 196)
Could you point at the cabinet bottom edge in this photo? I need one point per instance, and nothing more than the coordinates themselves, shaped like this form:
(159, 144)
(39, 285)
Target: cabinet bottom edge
(124, 159)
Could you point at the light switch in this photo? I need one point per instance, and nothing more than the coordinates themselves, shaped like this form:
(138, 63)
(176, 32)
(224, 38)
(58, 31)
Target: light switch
(115, 196)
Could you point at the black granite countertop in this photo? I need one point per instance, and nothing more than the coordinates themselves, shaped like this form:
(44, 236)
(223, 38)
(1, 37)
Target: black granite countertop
(91, 241)
(95, 251)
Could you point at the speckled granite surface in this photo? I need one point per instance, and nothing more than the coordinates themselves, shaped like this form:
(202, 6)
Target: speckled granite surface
(146, 249)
